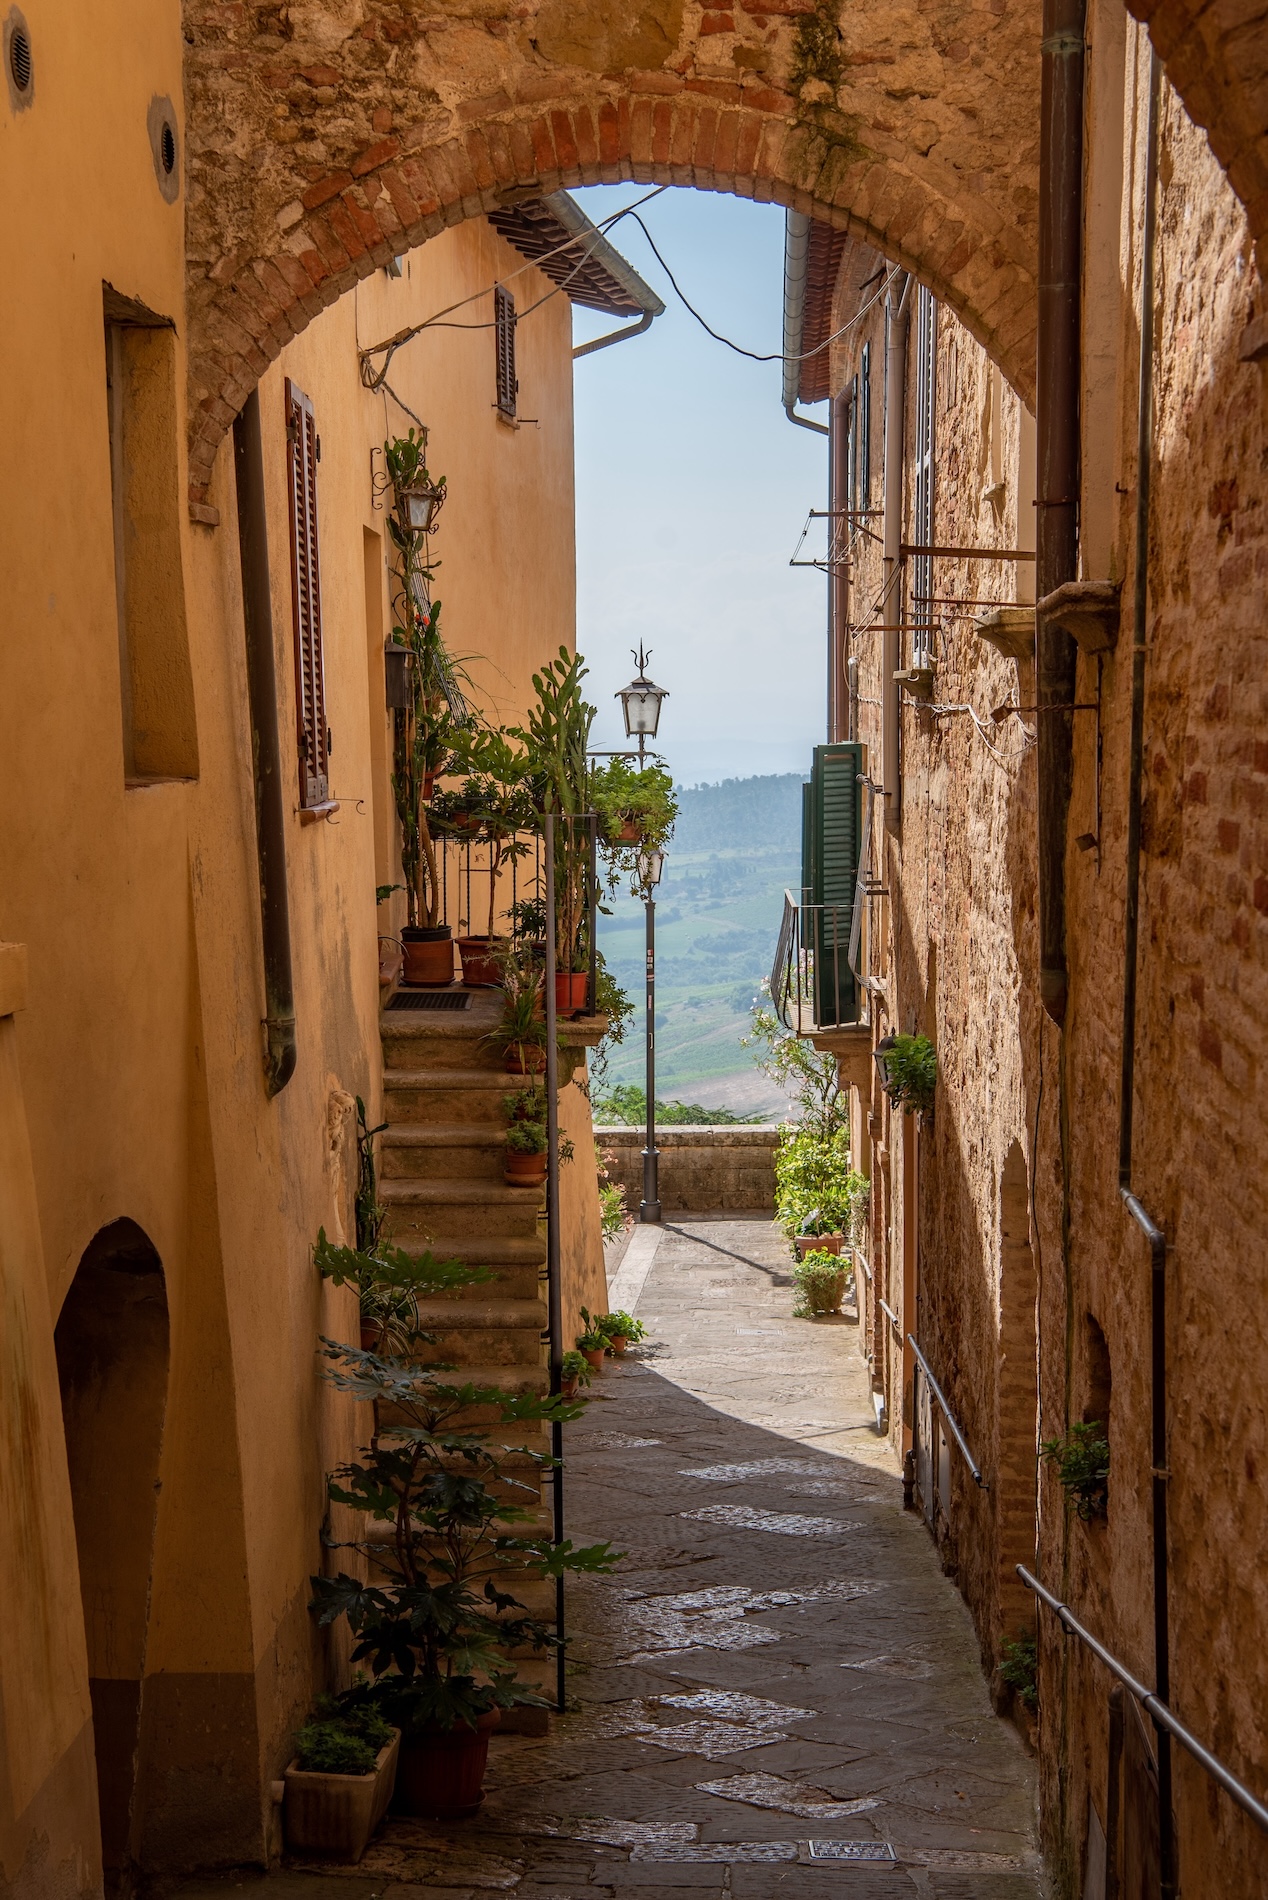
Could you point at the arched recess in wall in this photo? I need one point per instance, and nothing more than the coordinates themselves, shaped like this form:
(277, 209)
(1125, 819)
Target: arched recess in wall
(1016, 1487)
(112, 1361)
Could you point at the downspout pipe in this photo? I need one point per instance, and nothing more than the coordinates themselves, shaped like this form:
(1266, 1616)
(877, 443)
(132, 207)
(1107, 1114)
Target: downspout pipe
(796, 254)
(1131, 944)
(838, 572)
(898, 313)
(1057, 433)
(266, 752)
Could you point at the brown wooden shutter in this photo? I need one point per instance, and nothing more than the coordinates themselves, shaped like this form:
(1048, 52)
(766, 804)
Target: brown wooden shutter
(310, 687)
(504, 339)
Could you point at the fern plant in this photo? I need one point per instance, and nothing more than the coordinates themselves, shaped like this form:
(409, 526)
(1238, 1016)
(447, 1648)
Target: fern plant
(1082, 1463)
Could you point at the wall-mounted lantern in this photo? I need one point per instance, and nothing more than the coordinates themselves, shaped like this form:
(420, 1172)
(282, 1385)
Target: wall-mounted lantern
(420, 503)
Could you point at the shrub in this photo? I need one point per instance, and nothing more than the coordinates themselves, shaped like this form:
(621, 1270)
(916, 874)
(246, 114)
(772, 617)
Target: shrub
(1082, 1462)
(614, 1215)
(575, 1365)
(816, 1190)
(820, 1281)
(1019, 1668)
(622, 1326)
(593, 1339)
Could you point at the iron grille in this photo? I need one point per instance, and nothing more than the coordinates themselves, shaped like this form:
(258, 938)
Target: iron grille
(429, 999)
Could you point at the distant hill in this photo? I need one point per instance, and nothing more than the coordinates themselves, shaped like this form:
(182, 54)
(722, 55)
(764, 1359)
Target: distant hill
(760, 811)
(735, 849)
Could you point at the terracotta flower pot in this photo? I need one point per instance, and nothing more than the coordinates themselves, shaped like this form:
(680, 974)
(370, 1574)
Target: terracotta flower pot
(568, 1387)
(618, 1342)
(441, 1772)
(479, 960)
(369, 1336)
(630, 832)
(817, 1243)
(524, 1170)
(593, 1359)
(428, 955)
(335, 1815)
(571, 991)
(524, 1059)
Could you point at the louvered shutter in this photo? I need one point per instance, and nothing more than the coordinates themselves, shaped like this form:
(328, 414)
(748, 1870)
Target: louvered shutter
(835, 827)
(310, 688)
(504, 339)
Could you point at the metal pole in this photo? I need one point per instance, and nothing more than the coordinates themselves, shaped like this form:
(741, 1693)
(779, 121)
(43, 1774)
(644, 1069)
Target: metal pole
(592, 912)
(554, 1294)
(650, 1209)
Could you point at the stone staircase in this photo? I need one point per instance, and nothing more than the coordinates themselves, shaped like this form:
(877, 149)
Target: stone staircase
(440, 1179)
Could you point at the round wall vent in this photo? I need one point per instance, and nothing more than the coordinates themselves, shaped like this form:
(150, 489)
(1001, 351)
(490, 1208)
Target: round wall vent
(165, 147)
(19, 67)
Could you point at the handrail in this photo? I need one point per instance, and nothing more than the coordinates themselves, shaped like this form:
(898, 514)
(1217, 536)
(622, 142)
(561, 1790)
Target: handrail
(948, 1416)
(861, 1260)
(1156, 1708)
(890, 1314)
(794, 978)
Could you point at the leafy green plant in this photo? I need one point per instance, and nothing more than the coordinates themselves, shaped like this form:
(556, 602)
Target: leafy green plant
(523, 1022)
(575, 1365)
(625, 1106)
(1019, 1668)
(816, 1190)
(497, 799)
(390, 1283)
(911, 1071)
(438, 1632)
(1082, 1463)
(556, 738)
(528, 919)
(332, 1748)
(820, 1279)
(634, 797)
(621, 1326)
(614, 1215)
(592, 1338)
(810, 1080)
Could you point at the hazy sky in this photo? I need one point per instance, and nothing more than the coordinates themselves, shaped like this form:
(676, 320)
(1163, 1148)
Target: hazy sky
(692, 488)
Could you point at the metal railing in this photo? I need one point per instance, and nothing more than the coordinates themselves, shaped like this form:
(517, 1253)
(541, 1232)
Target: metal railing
(1156, 1709)
(812, 957)
(948, 1416)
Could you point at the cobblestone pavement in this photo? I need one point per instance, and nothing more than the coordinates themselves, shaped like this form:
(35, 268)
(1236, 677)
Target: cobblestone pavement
(778, 1694)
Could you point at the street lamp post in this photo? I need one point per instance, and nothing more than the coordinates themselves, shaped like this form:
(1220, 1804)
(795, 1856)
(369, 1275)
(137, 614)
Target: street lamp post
(641, 703)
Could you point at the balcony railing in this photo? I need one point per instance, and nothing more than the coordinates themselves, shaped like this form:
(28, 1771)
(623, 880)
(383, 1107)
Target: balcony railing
(815, 980)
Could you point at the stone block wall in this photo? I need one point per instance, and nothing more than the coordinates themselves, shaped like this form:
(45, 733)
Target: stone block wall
(702, 1169)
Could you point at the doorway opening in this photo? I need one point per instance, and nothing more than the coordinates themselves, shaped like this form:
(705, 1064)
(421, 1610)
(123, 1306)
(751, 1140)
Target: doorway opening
(112, 1360)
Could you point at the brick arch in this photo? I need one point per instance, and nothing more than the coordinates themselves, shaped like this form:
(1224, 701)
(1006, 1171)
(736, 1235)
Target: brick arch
(324, 136)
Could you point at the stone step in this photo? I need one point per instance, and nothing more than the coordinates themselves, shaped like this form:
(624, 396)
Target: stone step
(447, 1095)
(442, 1151)
(427, 1039)
(487, 1333)
(459, 1207)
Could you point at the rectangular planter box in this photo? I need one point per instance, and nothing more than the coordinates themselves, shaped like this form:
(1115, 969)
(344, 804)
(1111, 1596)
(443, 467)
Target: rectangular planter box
(335, 1815)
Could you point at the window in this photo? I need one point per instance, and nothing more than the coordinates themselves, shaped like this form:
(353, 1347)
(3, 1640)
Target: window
(853, 454)
(504, 339)
(313, 737)
(865, 426)
(926, 388)
(156, 688)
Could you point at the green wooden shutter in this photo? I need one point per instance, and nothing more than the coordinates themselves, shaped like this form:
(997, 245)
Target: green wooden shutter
(836, 822)
(806, 892)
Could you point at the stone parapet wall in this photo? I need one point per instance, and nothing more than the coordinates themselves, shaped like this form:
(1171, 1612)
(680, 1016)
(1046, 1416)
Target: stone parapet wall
(702, 1168)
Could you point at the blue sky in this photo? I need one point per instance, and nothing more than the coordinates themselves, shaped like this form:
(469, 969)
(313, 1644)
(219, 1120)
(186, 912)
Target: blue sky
(692, 488)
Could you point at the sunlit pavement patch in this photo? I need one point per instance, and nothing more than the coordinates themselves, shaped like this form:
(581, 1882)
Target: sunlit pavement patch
(910, 1668)
(617, 1441)
(772, 1791)
(743, 1517)
(720, 1617)
(759, 1468)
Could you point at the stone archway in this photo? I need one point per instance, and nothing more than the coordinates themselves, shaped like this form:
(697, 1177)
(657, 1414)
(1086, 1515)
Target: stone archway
(326, 135)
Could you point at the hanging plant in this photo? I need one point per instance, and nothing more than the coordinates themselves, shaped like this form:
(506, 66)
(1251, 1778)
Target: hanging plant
(909, 1070)
(1082, 1464)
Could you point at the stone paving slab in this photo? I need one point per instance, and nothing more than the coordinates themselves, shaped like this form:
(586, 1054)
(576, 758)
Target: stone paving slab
(776, 1679)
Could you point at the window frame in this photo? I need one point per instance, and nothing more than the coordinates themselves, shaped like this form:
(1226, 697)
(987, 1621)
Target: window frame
(506, 380)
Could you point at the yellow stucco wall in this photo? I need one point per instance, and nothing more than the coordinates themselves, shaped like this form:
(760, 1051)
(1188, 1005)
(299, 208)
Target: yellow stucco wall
(135, 1063)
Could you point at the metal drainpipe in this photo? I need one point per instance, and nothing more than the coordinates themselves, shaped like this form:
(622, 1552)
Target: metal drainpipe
(891, 625)
(838, 578)
(796, 253)
(1057, 418)
(270, 808)
(1131, 939)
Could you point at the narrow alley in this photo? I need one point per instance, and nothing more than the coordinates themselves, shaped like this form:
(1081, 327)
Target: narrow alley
(777, 1693)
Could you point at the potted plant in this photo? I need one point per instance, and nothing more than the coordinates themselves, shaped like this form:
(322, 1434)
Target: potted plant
(340, 1782)
(821, 1280)
(574, 1371)
(815, 1236)
(556, 740)
(592, 1344)
(527, 1146)
(497, 804)
(909, 1071)
(636, 807)
(439, 1624)
(521, 1032)
(431, 723)
(621, 1328)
